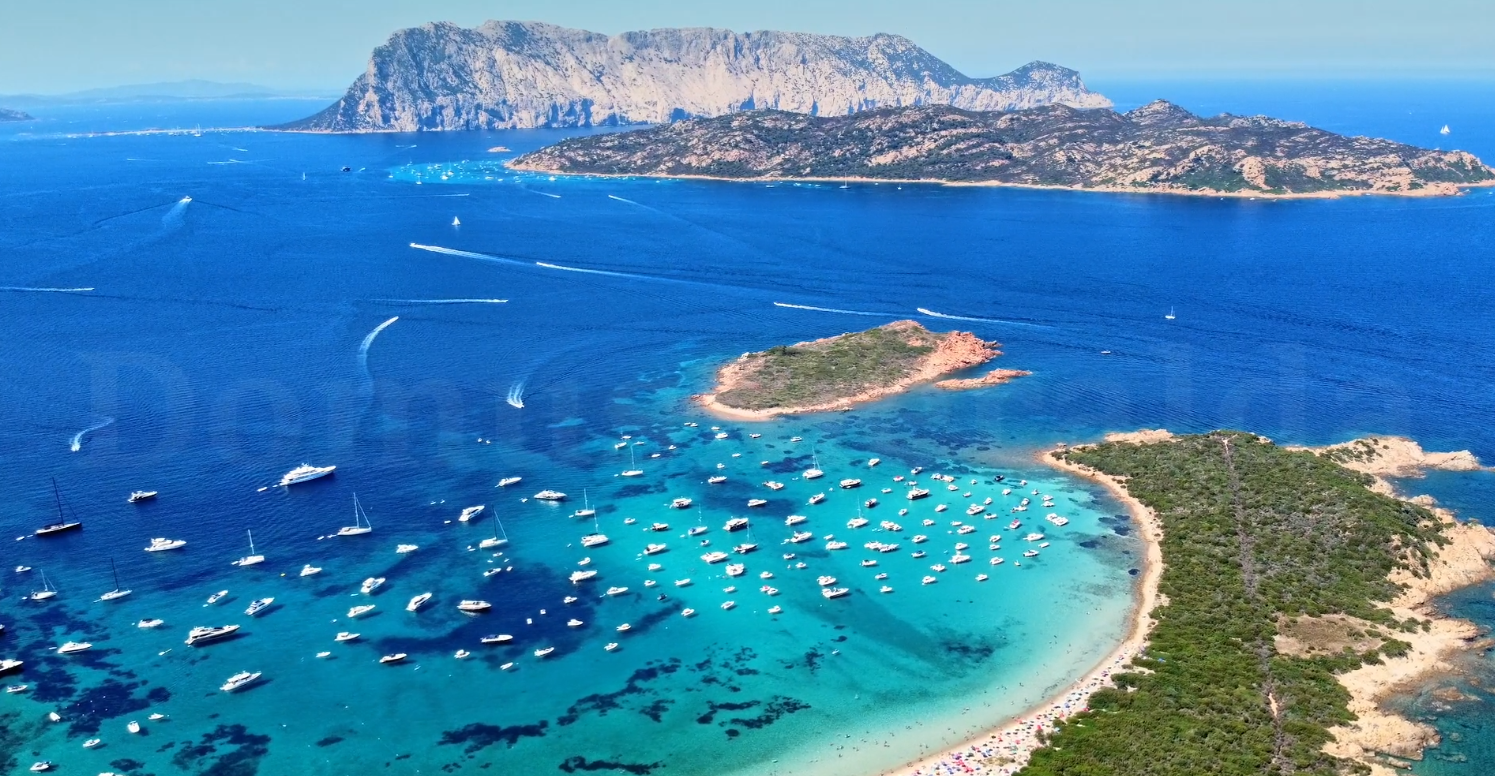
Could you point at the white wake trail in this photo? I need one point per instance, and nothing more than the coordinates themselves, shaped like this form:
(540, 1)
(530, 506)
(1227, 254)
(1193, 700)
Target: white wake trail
(76, 443)
(442, 301)
(832, 310)
(46, 290)
(934, 314)
(548, 265)
(516, 396)
(363, 350)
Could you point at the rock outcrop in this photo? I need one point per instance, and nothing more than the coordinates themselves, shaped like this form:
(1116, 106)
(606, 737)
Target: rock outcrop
(6, 114)
(526, 74)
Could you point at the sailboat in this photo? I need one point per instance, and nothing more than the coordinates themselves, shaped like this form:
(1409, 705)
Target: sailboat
(456, 221)
(252, 558)
(116, 593)
(596, 538)
(700, 527)
(1445, 130)
(586, 507)
(360, 521)
(633, 469)
(498, 527)
(62, 524)
(1170, 316)
(46, 592)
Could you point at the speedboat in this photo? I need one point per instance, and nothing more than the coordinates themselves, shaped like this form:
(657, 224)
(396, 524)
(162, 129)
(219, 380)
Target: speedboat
(360, 610)
(344, 636)
(216, 597)
(305, 473)
(461, 653)
(141, 495)
(44, 765)
(507, 481)
(851, 482)
(406, 549)
(736, 524)
(771, 485)
(6, 666)
(870, 503)
(801, 536)
(574, 623)
(681, 503)
(817, 498)
(92, 742)
(714, 557)
(582, 575)
(929, 580)
(659, 527)
(501, 638)
(757, 502)
(161, 544)
(617, 590)
(736, 569)
(874, 461)
(655, 549)
(309, 570)
(687, 612)
(150, 623)
(729, 604)
(371, 584)
(416, 602)
(981, 577)
(74, 647)
(795, 519)
(594, 540)
(885, 589)
(473, 605)
(550, 495)
(682, 582)
(397, 657)
(610, 646)
(239, 680)
(203, 634)
(544, 652)
(716, 479)
(259, 605)
(133, 726)
(624, 628)
(469, 513)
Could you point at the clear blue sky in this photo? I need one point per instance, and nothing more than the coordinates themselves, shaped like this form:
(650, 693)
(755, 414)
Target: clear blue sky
(62, 45)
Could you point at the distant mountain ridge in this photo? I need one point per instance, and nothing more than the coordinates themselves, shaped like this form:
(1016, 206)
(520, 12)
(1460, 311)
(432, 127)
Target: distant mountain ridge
(1159, 147)
(526, 74)
(195, 89)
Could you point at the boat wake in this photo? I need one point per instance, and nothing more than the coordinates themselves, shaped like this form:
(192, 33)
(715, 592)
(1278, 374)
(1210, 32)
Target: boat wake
(76, 443)
(46, 290)
(470, 254)
(363, 349)
(832, 310)
(565, 268)
(441, 301)
(516, 395)
(178, 212)
(934, 314)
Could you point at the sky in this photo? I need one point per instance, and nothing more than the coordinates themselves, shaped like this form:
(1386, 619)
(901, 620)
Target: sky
(56, 46)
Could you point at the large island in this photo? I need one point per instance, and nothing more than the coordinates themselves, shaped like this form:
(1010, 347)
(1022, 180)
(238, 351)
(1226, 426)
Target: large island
(1158, 147)
(837, 372)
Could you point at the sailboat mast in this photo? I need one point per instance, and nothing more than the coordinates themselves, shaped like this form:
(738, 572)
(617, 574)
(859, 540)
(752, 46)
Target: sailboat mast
(57, 496)
(251, 540)
(115, 569)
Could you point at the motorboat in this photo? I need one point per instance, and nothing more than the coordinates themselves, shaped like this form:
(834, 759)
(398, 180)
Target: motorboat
(216, 597)
(305, 473)
(416, 602)
(544, 652)
(203, 634)
(681, 503)
(499, 638)
(835, 545)
(581, 576)
(550, 495)
(816, 499)
(716, 479)
(240, 680)
(795, 519)
(801, 536)
(133, 727)
(870, 503)
(358, 611)
(162, 544)
(729, 604)
(574, 623)
(714, 557)
(371, 584)
(461, 654)
(406, 549)
(473, 605)
(655, 549)
(611, 646)
(148, 624)
(398, 657)
(258, 605)
(825, 581)
(309, 570)
(141, 495)
(617, 590)
(835, 592)
(771, 485)
(345, 636)
(757, 502)
(507, 481)
(917, 493)
(687, 612)
(885, 589)
(851, 482)
(74, 647)
(469, 513)
(659, 527)
(736, 524)
(682, 582)
(736, 569)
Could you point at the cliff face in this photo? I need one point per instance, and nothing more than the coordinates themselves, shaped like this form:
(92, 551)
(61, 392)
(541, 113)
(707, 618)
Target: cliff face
(525, 74)
(1157, 147)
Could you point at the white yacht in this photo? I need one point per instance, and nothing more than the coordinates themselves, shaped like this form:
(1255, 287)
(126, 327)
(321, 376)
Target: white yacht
(216, 597)
(917, 493)
(757, 502)
(817, 498)
(161, 544)
(359, 610)
(795, 519)
(736, 524)
(716, 479)
(550, 495)
(681, 503)
(239, 680)
(544, 652)
(141, 495)
(574, 623)
(406, 549)
(150, 624)
(655, 549)
(345, 636)
(416, 602)
(851, 482)
(398, 657)
(498, 638)
(469, 513)
(73, 647)
(507, 481)
(305, 473)
(258, 605)
(714, 557)
(310, 570)
(252, 559)
(835, 592)
(582, 575)
(371, 584)
(361, 523)
(473, 605)
(617, 590)
(7, 666)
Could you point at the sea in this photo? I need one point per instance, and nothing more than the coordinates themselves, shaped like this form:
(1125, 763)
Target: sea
(193, 307)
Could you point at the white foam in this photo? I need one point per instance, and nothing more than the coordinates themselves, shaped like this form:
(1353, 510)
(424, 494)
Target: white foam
(934, 314)
(516, 395)
(442, 301)
(46, 290)
(76, 443)
(548, 265)
(831, 310)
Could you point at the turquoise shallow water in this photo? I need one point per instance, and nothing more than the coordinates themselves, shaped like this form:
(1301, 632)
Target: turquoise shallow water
(227, 340)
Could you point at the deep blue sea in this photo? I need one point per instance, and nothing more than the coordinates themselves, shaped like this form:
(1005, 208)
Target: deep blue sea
(251, 306)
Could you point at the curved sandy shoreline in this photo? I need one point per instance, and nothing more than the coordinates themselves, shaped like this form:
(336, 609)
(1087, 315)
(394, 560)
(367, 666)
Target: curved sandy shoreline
(1005, 750)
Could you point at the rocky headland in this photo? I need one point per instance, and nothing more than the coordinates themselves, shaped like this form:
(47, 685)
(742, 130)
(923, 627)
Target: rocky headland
(1159, 147)
(7, 114)
(515, 75)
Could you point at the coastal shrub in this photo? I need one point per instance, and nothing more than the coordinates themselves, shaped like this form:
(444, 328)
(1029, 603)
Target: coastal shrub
(1253, 534)
(831, 369)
